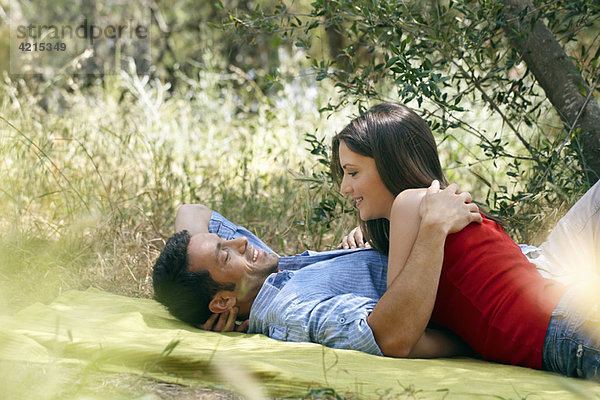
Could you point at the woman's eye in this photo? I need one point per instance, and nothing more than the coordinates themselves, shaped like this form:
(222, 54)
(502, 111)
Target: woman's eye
(352, 173)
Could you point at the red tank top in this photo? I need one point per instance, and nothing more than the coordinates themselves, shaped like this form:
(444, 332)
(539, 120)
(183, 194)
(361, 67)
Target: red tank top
(493, 297)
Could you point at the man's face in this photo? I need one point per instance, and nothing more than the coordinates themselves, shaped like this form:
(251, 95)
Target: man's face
(230, 261)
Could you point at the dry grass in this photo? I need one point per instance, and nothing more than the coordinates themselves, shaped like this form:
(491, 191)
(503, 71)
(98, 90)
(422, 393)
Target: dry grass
(91, 175)
(90, 179)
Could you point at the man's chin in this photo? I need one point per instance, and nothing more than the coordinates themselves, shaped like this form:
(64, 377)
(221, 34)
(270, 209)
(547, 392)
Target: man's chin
(270, 266)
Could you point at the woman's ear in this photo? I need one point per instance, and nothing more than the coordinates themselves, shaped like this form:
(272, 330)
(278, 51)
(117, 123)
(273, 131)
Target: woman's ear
(223, 301)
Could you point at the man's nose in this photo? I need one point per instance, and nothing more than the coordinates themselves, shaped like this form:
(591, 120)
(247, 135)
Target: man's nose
(239, 244)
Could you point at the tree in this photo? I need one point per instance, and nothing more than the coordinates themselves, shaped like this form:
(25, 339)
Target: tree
(556, 73)
(442, 56)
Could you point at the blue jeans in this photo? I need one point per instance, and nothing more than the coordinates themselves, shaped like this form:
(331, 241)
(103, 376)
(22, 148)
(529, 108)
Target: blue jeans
(572, 344)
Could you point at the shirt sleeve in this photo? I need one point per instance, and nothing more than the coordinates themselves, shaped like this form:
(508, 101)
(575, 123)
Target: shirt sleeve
(341, 322)
(228, 230)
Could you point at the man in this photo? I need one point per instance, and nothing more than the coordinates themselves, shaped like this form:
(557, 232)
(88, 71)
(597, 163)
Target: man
(318, 297)
(330, 297)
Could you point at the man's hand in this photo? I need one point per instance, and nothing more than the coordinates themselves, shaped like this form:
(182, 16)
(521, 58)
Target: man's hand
(225, 322)
(448, 209)
(353, 240)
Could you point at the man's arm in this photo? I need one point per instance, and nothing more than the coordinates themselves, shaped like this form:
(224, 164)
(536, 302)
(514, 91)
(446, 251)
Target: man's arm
(193, 217)
(399, 319)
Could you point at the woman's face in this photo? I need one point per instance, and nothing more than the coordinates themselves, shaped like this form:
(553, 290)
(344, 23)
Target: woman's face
(362, 181)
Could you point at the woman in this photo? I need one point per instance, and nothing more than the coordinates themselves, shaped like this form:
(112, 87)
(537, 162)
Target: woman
(487, 291)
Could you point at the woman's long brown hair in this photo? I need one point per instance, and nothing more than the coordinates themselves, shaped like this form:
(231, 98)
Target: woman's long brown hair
(404, 151)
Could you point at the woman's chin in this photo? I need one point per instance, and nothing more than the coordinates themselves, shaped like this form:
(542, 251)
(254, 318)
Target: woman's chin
(363, 215)
(366, 216)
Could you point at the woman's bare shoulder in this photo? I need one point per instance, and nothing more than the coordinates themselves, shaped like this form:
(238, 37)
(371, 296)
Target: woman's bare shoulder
(410, 197)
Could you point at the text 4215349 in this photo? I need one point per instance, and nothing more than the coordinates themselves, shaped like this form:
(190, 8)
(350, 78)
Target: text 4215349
(42, 46)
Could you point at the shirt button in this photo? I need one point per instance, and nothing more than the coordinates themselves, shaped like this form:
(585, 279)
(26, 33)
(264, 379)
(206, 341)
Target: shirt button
(270, 280)
(342, 320)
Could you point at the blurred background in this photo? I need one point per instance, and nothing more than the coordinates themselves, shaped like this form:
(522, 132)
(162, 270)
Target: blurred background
(233, 103)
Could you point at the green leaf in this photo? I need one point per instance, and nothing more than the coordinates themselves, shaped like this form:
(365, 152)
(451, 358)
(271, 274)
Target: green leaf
(391, 62)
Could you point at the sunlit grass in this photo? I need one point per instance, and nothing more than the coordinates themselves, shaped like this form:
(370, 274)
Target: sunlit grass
(91, 176)
(91, 173)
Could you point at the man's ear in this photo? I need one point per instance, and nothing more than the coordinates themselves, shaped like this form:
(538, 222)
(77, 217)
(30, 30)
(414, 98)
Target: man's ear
(223, 301)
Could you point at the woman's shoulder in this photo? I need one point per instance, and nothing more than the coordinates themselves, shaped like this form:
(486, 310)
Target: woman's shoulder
(410, 197)
(407, 204)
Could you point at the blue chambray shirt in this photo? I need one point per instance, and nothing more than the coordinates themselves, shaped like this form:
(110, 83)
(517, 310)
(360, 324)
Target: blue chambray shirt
(321, 297)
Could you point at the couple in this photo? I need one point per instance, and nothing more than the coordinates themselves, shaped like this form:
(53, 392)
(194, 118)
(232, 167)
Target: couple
(440, 279)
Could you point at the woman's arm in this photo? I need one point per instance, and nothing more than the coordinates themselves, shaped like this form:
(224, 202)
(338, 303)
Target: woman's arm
(407, 204)
(399, 319)
(404, 225)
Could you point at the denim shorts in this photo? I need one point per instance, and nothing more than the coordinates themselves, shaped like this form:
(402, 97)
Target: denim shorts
(572, 344)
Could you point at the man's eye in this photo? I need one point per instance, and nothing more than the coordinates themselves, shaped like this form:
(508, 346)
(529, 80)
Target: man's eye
(226, 255)
(352, 173)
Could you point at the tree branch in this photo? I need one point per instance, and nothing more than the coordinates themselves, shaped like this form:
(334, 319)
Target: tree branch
(557, 75)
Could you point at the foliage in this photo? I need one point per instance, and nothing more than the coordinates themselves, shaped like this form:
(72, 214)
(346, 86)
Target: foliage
(91, 180)
(93, 168)
(183, 33)
(331, 203)
(447, 58)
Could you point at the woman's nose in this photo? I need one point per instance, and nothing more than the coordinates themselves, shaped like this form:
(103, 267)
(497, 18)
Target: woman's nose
(345, 188)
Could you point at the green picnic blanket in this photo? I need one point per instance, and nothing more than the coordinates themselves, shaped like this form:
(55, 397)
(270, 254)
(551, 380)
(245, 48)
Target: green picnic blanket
(46, 348)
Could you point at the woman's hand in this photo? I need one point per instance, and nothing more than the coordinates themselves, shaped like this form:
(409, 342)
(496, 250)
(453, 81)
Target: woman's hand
(225, 322)
(449, 209)
(353, 240)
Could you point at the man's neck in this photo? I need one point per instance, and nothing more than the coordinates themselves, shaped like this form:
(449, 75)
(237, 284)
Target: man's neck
(244, 303)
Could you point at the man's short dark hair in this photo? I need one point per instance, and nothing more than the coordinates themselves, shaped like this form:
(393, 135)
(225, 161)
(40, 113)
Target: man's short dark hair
(185, 293)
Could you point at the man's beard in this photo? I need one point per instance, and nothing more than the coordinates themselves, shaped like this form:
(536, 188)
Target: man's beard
(252, 286)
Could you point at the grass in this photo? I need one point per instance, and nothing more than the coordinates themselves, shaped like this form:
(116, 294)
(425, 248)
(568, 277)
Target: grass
(89, 183)
(91, 180)
(91, 174)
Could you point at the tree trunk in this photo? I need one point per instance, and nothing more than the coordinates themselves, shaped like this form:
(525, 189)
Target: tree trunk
(557, 75)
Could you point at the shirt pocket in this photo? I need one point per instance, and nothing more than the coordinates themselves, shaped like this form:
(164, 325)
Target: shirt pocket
(278, 332)
(337, 327)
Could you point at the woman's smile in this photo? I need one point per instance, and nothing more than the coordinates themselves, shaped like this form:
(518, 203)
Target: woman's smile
(357, 201)
(362, 181)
